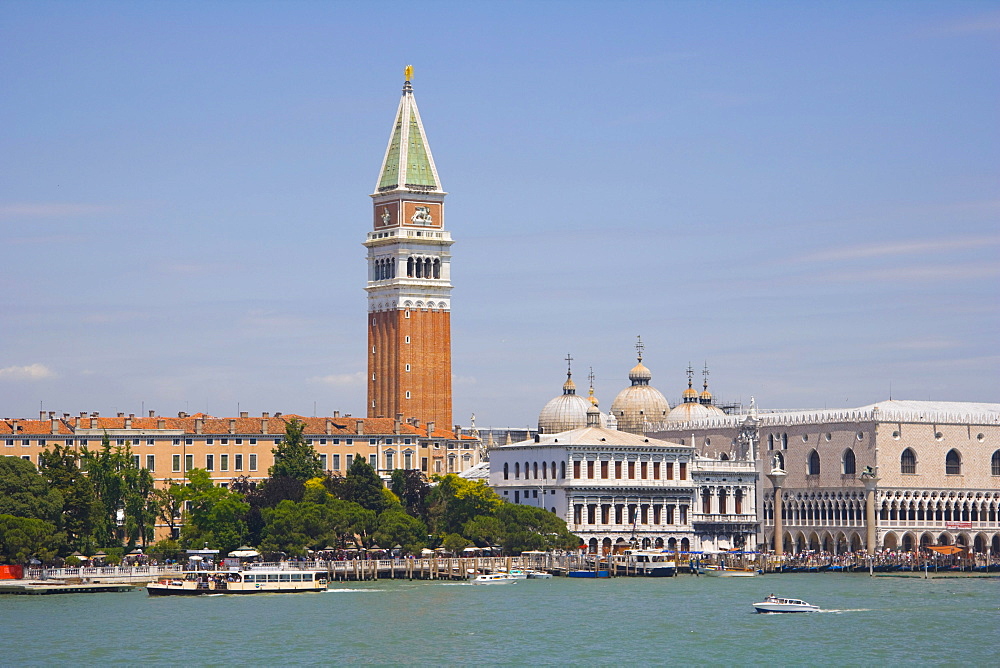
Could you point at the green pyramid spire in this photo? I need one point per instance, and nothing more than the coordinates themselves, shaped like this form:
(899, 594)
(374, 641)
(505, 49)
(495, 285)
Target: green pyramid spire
(408, 161)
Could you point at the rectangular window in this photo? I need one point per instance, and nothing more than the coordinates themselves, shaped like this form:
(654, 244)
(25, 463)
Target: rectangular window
(618, 470)
(631, 470)
(237, 462)
(590, 470)
(150, 441)
(684, 471)
(656, 473)
(576, 470)
(239, 441)
(423, 464)
(209, 462)
(407, 461)
(224, 441)
(151, 462)
(25, 442)
(135, 461)
(336, 441)
(670, 470)
(175, 463)
(336, 462)
(388, 441)
(350, 441)
(10, 442)
(188, 462)
(322, 441)
(373, 461)
(350, 460)
(372, 441)
(604, 469)
(253, 441)
(209, 441)
(223, 462)
(642, 469)
(322, 462)
(253, 462)
(189, 441)
(69, 441)
(177, 441)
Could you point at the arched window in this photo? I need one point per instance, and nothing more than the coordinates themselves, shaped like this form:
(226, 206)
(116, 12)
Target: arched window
(506, 470)
(995, 463)
(770, 441)
(953, 463)
(536, 470)
(562, 470)
(545, 469)
(908, 462)
(437, 268)
(812, 465)
(527, 470)
(409, 267)
(850, 465)
(784, 441)
(517, 470)
(419, 268)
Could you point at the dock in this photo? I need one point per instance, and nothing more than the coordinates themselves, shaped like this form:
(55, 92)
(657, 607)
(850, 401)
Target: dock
(44, 587)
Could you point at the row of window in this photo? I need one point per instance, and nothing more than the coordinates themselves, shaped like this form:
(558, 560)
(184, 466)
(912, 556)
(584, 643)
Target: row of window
(630, 514)
(42, 442)
(629, 471)
(907, 462)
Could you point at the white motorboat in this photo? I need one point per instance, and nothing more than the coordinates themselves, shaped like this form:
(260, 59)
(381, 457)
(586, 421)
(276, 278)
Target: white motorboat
(491, 578)
(539, 575)
(775, 604)
(516, 573)
(651, 563)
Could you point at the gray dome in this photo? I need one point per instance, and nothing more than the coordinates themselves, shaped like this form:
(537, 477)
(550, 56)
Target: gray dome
(640, 406)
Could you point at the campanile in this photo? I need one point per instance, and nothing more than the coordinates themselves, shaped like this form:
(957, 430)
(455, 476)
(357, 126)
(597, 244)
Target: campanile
(409, 279)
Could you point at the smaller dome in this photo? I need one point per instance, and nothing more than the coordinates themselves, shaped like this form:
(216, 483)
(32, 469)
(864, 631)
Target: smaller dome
(640, 374)
(569, 387)
(705, 397)
(690, 395)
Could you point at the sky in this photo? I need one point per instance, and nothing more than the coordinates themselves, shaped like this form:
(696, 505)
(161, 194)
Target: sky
(803, 196)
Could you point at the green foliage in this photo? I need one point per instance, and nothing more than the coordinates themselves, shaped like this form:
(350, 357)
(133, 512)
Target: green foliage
(396, 527)
(127, 508)
(484, 531)
(363, 486)
(168, 548)
(530, 528)
(455, 501)
(22, 538)
(24, 493)
(60, 466)
(295, 527)
(412, 489)
(294, 457)
(217, 516)
(454, 543)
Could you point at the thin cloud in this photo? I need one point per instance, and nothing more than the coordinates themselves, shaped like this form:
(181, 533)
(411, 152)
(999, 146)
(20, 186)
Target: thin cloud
(911, 274)
(901, 248)
(28, 372)
(340, 379)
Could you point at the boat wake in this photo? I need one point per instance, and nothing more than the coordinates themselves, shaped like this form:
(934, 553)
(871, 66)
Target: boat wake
(352, 591)
(848, 610)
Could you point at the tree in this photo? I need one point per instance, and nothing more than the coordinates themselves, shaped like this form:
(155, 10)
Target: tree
(60, 466)
(363, 486)
(266, 494)
(294, 457)
(396, 527)
(169, 502)
(412, 489)
(455, 501)
(216, 515)
(484, 531)
(22, 538)
(124, 494)
(531, 528)
(294, 527)
(25, 493)
(454, 543)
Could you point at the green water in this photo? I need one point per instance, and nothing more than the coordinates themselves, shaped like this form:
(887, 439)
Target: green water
(560, 621)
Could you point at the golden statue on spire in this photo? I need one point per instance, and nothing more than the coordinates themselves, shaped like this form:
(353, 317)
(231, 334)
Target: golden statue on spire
(408, 72)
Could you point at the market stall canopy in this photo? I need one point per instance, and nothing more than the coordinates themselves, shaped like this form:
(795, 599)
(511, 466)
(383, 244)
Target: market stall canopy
(946, 549)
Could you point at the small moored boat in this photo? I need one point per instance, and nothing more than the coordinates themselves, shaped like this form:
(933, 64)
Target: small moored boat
(491, 578)
(723, 572)
(775, 604)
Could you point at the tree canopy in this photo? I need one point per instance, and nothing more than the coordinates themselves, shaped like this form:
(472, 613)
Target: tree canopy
(294, 457)
(25, 493)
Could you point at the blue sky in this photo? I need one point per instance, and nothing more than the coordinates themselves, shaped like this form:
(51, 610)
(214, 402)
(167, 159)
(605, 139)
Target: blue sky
(804, 195)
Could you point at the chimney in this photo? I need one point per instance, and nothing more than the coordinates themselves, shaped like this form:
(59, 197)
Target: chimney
(336, 414)
(161, 424)
(458, 431)
(76, 423)
(232, 426)
(121, 415)
(65, 416)
(397, 423)
(199, 425)
(263, 422)
(15, 426)
(55, 424)
(93, 420)
(329, 426)
(128, 421)
(244, 414)
(359, 426)
(152, 413)
(83, 414)
(41, 415)
(277, 415)
(430, 429)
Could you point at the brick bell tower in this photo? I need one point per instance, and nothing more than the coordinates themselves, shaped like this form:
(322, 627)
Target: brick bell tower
(409, 279)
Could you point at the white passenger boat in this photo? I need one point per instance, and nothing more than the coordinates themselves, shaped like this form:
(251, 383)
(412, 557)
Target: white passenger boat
(491, 578)
(239, 581)
(774, 604)
(539, 575)
(516, 573)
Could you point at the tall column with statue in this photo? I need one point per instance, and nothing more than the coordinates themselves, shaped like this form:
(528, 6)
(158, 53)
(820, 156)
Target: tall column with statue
(870, 480)
(777, 477)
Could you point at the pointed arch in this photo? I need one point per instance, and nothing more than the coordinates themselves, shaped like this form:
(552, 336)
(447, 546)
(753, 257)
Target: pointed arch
(953, 462)
(908, 462)
(812, 463)
(849, 462)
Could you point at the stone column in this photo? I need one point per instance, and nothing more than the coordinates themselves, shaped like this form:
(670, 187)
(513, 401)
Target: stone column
(777, 478)
(870, 481)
